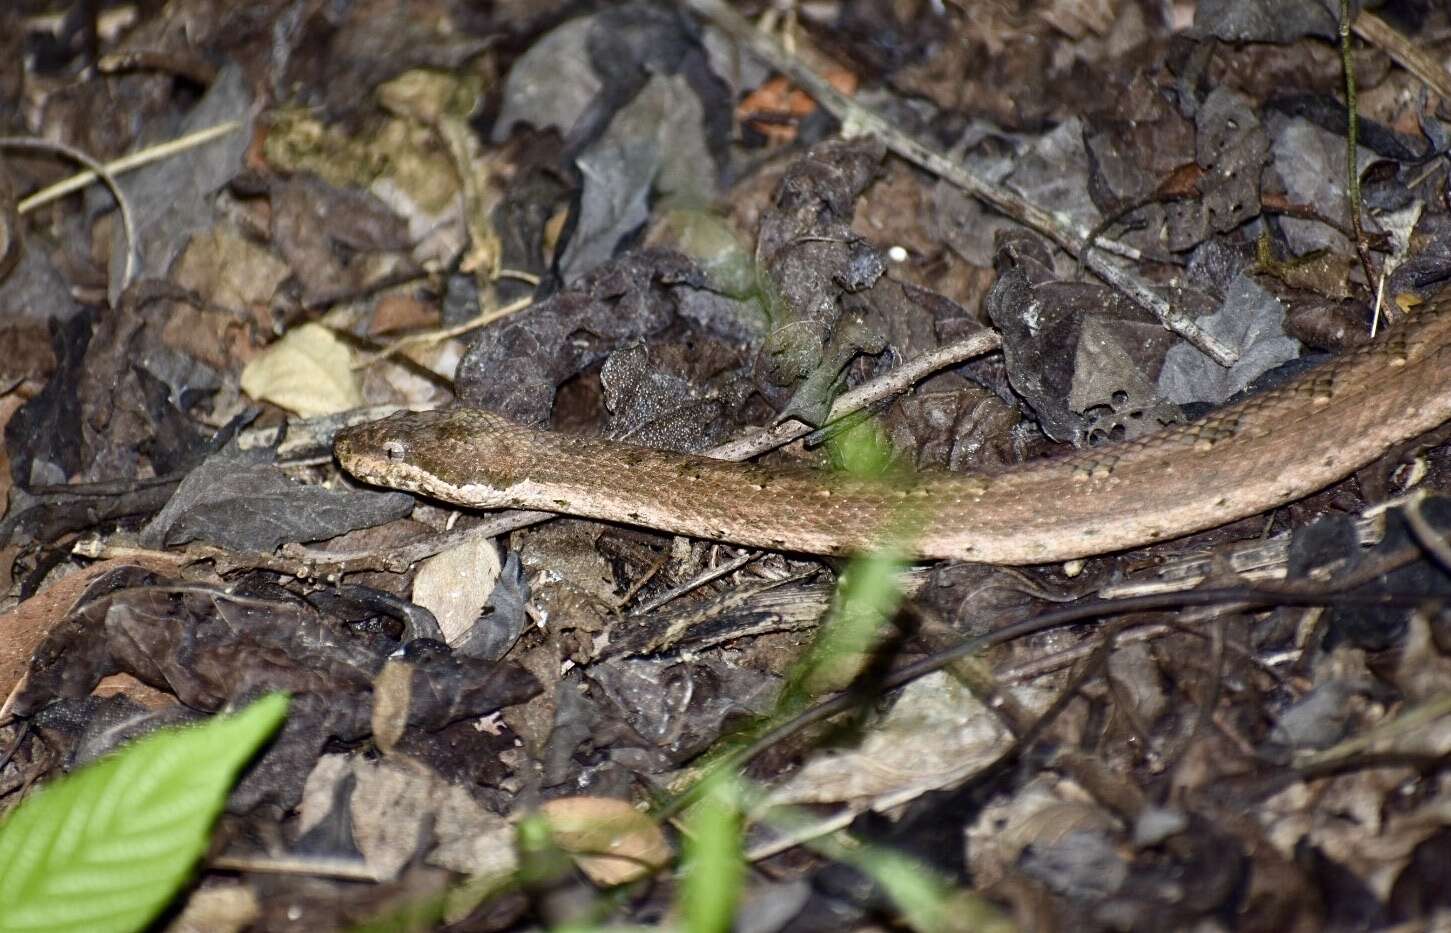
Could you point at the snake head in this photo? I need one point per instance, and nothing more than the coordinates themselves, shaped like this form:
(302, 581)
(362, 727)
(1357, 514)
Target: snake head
(462, 455)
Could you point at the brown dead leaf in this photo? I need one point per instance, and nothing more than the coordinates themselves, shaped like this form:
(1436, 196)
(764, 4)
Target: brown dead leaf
(128, 686)
(228, 270)
(611, 841)
(776, 108)
(1183, 182)
(216, 338)
(25, 353)
(23, 628)
(400, 313)
(309, 371)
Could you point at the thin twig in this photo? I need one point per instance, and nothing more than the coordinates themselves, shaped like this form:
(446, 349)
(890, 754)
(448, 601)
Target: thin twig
(437, 336)
(1403, 52)
(100, 171)
(857, 120)
(1378, 311)
(517, 275)
(639, 584)
(699, 580)
(1352, 134)
(126, 163)
(316, 866)
(893, 383)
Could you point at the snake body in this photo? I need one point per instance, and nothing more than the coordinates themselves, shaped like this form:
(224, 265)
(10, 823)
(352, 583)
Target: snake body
(1271, 448)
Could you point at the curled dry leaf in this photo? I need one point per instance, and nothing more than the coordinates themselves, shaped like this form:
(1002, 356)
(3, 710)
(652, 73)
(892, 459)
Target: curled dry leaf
(392, 697)
(455, 585)
(25, 627)
(229, 270)
(309, 371)
(611, 841)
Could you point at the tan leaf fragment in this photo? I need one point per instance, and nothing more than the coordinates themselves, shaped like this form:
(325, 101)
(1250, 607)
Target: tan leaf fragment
(229, 270)
(455, 584)
(309, 371)
(611, 841)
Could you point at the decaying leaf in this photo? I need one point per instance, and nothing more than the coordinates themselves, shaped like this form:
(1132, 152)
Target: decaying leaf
(309, 371)
(611, 841)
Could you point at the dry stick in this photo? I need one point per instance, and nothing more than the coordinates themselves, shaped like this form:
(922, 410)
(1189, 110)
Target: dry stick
(889, 384)
(100, 171)
(1403, 52)
(1057, 660)
(868, 393)
(224, 559)
(699, 580)
(644, 578)
(106, 172)
(1352, 133)
(316, 866)
(125, 164)
(857, 120)
(438, 336)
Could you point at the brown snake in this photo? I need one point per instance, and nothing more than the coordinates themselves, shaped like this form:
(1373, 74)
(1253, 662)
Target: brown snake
(1269, 449)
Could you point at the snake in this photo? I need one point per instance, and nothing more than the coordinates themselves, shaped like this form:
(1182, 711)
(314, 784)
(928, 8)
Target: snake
(1271, 448)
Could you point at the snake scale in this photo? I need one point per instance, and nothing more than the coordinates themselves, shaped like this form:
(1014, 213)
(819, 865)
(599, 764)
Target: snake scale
(1271, 448)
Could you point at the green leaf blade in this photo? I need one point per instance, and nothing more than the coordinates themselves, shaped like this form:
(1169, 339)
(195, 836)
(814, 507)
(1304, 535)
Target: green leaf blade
(714, 869)
(106, 848)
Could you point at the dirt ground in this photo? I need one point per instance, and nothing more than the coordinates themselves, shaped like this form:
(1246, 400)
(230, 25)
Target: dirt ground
(885, 239)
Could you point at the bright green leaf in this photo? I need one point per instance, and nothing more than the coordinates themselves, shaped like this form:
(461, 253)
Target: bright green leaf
(108, 847)
(928, 902)
(867, 597)
(713, 867)
(863, 449)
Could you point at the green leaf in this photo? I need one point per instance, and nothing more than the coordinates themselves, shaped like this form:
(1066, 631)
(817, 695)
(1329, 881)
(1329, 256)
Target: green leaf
(863, 449)
(108, 847)
(713, 867)
(929, 904)
(867, 597)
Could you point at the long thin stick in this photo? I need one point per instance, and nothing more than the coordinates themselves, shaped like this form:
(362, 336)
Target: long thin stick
(857, 120)
(98, 170)
(125, 164)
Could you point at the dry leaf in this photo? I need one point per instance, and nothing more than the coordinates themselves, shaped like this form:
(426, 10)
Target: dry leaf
(455, 585)
(309, 371)
(611, 841)
(229, 270)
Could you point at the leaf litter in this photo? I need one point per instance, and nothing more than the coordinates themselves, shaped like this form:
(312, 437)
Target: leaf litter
(689, 247)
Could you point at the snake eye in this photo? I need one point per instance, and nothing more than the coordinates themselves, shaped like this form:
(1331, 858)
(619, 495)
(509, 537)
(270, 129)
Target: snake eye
(396, 450)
